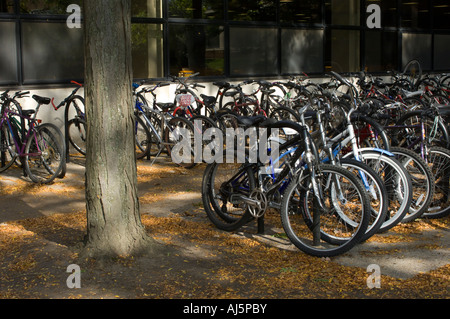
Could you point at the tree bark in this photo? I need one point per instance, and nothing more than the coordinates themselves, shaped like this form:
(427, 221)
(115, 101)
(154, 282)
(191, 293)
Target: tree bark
(114, 227)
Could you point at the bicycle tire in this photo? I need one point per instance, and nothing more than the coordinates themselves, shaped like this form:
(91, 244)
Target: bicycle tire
(217, 202)
(439, 138)
(60, 138)
(376, 192)
(44, 156)
(142, 137)
(172, 138)
(297, 222)
(398, 185)
(439, 160)
(8, 152)
(77, 136)
(422, 182)
(374, 137)
(284, 113)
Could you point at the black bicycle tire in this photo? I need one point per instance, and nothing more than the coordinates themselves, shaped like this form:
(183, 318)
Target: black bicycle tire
(418, 162)
(166, 139)
(376, 225)
(339, 249)
(444, 142)
(29, 172)
(142, 150)
(76, 122)
(215, 213)
(55, 130)
(446, 211)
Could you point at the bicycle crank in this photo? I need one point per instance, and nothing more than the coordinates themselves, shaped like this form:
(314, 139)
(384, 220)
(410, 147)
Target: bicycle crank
(256, 202)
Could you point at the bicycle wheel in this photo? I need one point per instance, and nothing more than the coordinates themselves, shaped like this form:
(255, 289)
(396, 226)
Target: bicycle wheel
(422, 181)
(369, 133)
(45, 156)
(436, 133)
(376, 191)
(224, 189)
(284, 113)
(77, 136)
(8, 153)
(179, 139)
(56, 132)
(343, 195)
(142, 138)
(397, 182)
(438, 159)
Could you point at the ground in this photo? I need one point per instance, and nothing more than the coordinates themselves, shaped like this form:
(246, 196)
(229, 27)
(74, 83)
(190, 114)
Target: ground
(42, 228)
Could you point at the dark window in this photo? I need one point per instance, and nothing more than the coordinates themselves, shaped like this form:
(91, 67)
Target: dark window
(253, 51)
(8, 53)
(301, 51)
(301, 11)
(146, 9)
(7, 6)
(252, 10)
(415, 14)
(381, 51)
(417, 47)
(344, 53)
(389, 12)
(441, 14)
(441, 45)
(198, 48)
(343, 12)
(51, 52)
(47, 7)
(147, 50)
(196, 9)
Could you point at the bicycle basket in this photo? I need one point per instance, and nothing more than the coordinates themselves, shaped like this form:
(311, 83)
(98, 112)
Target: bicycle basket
(185, 100)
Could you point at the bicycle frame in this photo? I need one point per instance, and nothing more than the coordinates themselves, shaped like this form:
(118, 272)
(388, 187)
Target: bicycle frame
(20, 147)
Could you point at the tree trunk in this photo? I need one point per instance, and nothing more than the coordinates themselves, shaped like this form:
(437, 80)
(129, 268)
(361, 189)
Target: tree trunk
(113, 219)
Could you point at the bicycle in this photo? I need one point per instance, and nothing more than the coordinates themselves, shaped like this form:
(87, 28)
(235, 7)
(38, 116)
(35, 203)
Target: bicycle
(245, 193)
(41, 153)
(157, 126)
(395, 176)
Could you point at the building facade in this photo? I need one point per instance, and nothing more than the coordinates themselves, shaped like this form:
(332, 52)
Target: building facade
(231, 38)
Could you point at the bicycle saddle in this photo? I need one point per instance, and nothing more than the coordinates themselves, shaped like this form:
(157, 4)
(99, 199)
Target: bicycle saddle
(42, 100)
(250, 120)
(209, 100)
(166, 106)
(222, 84)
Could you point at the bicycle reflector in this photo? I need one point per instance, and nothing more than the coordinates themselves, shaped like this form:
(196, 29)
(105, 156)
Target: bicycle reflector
(185, 99)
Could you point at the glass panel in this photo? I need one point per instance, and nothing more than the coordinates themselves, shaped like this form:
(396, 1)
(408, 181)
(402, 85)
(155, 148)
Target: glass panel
(198, 48)
(301, 51)
(343, 12)
(147, 50)
(301, 11)
(146, 8)
(253, 51)
(417, 47)
(8, 53)
(52, 52)
(7, 6)
(441, 14)
(344, 50)
(47, 6)
(381, 51)
(196, 9)
(389, 12)
(415, 14)
(441, 45)
(252, 10)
